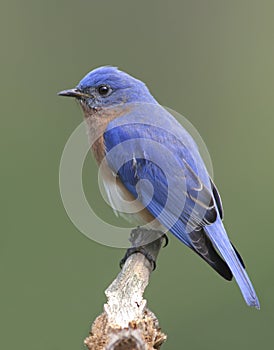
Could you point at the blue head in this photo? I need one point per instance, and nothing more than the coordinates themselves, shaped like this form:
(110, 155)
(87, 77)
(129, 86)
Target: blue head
(108, 86)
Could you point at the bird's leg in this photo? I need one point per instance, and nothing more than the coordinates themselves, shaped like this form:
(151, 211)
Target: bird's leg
(146, 242)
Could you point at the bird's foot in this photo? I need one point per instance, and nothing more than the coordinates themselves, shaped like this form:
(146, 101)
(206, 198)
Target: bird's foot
(141, 250)
(146, 242)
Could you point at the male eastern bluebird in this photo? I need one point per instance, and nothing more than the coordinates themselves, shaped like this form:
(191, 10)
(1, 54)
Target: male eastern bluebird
(155, 166)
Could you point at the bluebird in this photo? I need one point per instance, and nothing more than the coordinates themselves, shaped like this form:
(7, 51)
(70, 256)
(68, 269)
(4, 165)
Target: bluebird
(150, 163)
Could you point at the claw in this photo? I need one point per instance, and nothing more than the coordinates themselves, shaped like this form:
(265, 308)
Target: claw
(140, 250)
(166, 240)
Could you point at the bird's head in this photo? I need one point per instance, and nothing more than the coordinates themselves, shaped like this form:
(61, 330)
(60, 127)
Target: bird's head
(105, 87)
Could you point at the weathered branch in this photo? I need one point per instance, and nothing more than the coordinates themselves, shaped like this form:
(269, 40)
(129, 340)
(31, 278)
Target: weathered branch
(126, 323)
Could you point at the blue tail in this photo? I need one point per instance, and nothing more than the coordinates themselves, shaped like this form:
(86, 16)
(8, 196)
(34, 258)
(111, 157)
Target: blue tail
(217, 234)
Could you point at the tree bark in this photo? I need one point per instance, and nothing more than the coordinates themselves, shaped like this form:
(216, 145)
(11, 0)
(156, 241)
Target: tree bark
(126, 323)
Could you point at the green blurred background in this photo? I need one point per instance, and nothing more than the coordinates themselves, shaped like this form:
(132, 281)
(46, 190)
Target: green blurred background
(212, 61)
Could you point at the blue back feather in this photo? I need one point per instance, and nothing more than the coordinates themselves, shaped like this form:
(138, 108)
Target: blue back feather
(166, 156)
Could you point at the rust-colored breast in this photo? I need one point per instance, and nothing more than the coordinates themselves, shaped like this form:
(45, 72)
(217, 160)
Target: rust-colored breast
(97, 124)
(99, 149)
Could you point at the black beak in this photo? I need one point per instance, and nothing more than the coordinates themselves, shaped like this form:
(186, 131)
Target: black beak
(74, 93)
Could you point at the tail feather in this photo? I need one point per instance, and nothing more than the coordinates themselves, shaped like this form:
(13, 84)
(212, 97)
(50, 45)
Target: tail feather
(217, 234)
(205, 249)
(238, 255)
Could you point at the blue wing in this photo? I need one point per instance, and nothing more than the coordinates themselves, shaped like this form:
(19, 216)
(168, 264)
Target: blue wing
(139, 151)
(159, 163)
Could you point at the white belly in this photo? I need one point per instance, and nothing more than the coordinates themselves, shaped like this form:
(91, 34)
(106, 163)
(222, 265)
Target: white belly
(123, 202)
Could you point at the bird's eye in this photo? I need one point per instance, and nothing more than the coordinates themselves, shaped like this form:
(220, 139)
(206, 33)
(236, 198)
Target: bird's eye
(104, 90)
